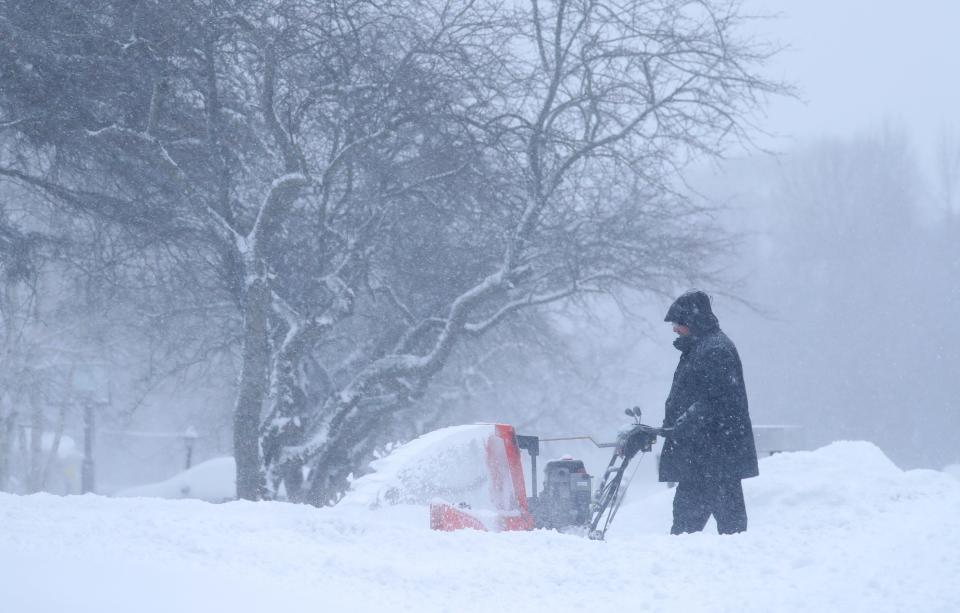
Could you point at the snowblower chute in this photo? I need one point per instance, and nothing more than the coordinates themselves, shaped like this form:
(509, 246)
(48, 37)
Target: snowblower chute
(502, 503)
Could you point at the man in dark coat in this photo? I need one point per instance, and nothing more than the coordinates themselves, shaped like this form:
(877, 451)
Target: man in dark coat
(709, 446)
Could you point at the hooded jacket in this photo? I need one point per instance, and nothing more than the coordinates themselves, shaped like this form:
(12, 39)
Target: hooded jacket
(707, 407)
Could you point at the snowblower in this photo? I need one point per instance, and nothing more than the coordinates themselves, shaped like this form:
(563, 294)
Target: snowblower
(496, 499)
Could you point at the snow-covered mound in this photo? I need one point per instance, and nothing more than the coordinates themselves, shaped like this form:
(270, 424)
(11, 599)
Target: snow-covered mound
(443, 464)
(952, 469)
(837, 529)
(212, 481)
(837, 486)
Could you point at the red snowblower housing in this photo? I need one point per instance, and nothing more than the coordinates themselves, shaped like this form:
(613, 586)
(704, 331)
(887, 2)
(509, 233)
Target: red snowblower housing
(507, 509)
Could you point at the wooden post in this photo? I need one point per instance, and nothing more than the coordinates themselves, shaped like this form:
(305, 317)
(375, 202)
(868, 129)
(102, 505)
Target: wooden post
(190, 438)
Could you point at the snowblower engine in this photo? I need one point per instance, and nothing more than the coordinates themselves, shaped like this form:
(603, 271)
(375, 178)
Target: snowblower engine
(565, 499)
(567, 489)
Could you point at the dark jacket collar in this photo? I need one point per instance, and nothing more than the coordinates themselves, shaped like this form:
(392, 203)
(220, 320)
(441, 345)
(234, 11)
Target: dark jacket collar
(690, 341)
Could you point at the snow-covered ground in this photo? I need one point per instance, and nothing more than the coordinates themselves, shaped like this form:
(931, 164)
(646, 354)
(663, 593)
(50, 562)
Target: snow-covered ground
(837, 529)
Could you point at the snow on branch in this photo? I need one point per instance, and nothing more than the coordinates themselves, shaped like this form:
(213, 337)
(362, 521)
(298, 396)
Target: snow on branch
(281, 189)
(480, 327)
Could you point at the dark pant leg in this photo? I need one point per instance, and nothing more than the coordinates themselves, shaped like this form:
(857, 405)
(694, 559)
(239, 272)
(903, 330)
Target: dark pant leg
(729, 508)
(691, 506)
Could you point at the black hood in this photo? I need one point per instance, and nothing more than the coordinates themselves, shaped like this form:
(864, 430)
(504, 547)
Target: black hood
(693, 310)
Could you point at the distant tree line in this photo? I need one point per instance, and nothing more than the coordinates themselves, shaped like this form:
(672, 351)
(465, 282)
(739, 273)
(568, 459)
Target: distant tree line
(858, 264)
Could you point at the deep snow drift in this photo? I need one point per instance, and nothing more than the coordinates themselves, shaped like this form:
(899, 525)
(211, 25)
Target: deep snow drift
(837, 529)
(212, 481)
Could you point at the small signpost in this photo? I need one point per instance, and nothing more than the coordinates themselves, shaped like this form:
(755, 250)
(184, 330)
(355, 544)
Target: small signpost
(87, 468)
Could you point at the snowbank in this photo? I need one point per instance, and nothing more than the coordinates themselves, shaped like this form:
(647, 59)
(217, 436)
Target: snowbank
(212, 481)
(837, 529)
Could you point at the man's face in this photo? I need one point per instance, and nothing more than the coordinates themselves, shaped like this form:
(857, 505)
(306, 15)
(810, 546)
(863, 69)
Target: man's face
(681, 329)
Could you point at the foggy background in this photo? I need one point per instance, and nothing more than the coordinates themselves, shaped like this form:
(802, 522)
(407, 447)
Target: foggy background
(841, 296)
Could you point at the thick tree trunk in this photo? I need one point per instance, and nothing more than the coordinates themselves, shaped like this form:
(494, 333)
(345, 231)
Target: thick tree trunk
(253, 387)
(286, 427)
(329, 484)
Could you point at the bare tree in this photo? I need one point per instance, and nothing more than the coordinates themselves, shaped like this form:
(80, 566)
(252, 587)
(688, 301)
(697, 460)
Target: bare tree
(236, 127)
(596, 106)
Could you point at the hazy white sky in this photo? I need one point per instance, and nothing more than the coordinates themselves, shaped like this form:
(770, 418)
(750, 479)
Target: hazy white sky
(860, 62)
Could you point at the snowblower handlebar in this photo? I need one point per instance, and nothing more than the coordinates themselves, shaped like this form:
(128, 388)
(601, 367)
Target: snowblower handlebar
(640, 437)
